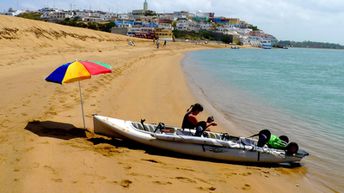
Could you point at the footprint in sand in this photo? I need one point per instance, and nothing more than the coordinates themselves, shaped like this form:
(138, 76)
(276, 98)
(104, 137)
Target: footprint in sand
(52, 113)
(254, 168)
(50, 168)
(162, 183)
(212, 188)
(202, 180)
(185, 179)
(127, 167)
(246, 187)
(57, 180)
(126, 183)
(16, 170)
(28, 149)
(108, 151)
(186, 169)
(266, 172)
(3, 140)
(246, 174)
(153, 161)
(114, 181)
(139, 174)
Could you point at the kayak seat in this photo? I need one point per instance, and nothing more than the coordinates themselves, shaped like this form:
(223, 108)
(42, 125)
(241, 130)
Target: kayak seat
(181, 132)
(150, 128)
(213, 136)
(248, 142)
(137, 125)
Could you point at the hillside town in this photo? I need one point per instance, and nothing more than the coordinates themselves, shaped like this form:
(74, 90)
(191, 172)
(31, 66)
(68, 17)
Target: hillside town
(146, 23)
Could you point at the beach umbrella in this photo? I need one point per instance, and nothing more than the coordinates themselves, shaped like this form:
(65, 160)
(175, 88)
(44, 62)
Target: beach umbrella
(77, 71)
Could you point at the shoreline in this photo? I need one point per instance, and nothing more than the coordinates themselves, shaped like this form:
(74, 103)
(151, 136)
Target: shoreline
(225, 125)
(44, 149)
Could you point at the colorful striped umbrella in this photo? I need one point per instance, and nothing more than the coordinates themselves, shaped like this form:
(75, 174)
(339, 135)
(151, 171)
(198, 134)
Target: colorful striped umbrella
(76, 71)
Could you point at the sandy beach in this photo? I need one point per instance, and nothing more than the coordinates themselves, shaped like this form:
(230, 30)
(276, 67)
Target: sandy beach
(43, 147)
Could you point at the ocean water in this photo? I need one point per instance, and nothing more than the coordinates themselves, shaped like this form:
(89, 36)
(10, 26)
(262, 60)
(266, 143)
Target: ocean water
(295, 92)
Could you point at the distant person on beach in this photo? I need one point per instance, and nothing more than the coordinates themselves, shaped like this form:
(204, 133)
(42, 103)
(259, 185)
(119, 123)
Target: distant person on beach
(190, 120)
(131, 43)
(165, 43)
(157, 43)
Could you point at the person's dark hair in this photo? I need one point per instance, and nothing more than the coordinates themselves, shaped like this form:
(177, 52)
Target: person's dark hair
(195, 107)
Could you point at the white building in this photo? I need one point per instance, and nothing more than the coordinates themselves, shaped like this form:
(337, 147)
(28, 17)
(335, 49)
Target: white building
(109, 16)
(165, 26)
(184, 24)
(92, 19)
(206, 26)
(13, 12)
(145, 6)
(179, 14)
(250, 40)
(204, 14)
(54, 15)
(243, 31)
(123, 16)
(169, 16)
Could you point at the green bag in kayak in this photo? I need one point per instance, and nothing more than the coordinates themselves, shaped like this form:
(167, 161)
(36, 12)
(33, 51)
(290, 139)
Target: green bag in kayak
(276, 142)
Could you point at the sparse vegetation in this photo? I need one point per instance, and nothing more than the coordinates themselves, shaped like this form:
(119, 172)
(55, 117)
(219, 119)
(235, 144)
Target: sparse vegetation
(253, 27)
(31, 15)
(309, 44)
(203, 35)
(104, 26)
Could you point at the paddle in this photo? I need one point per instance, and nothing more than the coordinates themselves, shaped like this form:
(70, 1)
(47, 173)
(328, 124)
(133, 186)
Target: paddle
(144, 127)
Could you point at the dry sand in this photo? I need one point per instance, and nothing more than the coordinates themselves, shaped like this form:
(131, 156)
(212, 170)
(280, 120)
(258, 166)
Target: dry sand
(43, 149)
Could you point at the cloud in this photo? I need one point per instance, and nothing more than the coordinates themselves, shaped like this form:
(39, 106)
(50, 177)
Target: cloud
(175, 5)
(316, 20)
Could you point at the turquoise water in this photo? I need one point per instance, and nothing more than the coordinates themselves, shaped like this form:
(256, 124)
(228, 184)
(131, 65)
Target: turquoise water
(297, 92)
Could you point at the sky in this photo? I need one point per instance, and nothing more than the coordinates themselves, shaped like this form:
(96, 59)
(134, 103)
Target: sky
(298, 20)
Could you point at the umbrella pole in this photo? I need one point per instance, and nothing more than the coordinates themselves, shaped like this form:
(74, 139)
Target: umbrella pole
(82, 106)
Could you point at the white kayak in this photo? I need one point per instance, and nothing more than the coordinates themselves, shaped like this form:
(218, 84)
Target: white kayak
(215, 146)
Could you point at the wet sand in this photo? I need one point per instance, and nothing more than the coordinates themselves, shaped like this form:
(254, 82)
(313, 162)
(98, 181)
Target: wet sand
(43, 147)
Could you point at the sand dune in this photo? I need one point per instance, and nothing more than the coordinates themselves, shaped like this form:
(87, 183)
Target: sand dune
(44, 149)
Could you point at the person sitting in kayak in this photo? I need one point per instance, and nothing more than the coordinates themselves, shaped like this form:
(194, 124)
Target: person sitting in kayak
(190, 120)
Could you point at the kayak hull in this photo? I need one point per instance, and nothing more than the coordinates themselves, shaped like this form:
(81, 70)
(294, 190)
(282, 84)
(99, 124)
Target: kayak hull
(180, 141)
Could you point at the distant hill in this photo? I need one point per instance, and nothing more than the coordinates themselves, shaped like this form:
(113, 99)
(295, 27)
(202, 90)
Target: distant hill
(309, 44)
(32, 34)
